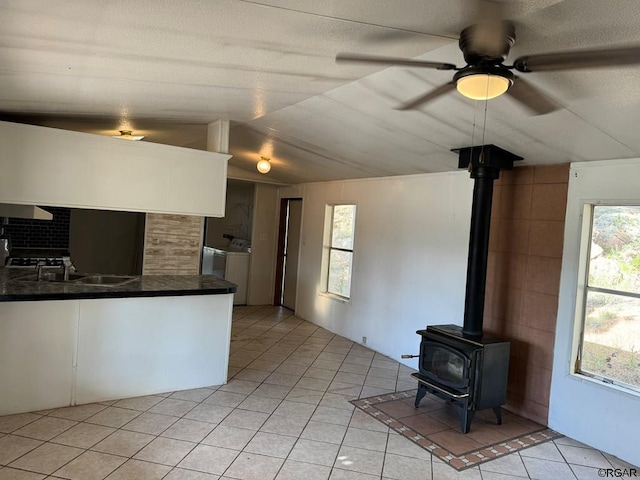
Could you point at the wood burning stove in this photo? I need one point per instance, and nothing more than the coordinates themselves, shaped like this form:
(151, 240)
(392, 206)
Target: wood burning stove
(461, 364)
(470, 372)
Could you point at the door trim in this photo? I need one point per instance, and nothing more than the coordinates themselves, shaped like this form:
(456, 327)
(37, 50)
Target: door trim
(282, 237)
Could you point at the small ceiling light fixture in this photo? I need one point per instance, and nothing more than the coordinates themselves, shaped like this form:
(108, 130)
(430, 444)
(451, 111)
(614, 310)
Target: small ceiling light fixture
(263, 165)
(127, 135)
(483, 83)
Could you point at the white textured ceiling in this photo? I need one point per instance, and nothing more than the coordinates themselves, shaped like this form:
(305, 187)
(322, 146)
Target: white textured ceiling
(168, 67)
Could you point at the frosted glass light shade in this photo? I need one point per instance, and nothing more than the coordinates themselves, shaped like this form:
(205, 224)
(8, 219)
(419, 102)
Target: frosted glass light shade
(482, 86)
(263, 166)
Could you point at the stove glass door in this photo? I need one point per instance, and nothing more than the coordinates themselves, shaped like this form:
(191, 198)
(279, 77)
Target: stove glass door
(445, 365)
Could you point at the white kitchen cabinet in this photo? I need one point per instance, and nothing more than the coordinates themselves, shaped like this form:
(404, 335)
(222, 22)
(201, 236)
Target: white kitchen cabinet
(37, 354)
(237, 271)
(130, 347)
(69, 352)
(48, 166)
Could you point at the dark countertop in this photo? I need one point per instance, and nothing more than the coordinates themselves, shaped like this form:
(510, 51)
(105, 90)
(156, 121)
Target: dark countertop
(12, 289)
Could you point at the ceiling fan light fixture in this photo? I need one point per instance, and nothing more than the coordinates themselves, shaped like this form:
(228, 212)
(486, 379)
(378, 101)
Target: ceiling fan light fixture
(263, 166)
(128, 135)
(483, 84)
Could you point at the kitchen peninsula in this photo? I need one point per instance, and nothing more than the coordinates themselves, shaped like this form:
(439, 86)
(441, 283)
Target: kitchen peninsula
(68, 343)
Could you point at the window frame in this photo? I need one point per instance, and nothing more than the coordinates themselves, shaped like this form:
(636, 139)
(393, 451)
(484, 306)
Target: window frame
(328, 248)
(583, 288)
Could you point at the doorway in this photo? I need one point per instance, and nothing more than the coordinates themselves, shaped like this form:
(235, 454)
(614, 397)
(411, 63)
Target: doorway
(288, 252)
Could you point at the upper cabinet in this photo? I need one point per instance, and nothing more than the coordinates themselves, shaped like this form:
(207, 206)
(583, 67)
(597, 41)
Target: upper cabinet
(48, 166)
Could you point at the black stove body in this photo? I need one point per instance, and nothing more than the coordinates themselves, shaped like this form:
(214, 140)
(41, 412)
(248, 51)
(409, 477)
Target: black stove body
(461, 364)
(470, 372)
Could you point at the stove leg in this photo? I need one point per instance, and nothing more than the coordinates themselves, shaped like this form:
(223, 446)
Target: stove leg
(422, 391)
(465, 420)
(498, 412)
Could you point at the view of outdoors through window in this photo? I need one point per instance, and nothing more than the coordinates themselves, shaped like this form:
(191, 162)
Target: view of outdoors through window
(341, 250)
(611, 343)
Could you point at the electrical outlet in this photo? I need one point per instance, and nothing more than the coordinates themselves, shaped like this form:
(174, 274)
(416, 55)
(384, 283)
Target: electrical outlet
(263, 236)
(364, 340)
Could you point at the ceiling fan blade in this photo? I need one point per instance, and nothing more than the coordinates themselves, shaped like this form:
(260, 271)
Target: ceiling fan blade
(427, 97)
(548, 62)
(407, 62)
(490, 29)
(532, 98)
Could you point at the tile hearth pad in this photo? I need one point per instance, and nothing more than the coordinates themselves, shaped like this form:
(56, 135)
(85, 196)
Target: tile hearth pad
(435, 426)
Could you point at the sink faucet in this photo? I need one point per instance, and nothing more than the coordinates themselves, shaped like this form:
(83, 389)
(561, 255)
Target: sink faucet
(39, 265)
(67, 267)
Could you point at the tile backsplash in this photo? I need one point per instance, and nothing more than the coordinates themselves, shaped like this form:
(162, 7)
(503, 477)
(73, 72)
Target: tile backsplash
(27, 233)
(172, 244)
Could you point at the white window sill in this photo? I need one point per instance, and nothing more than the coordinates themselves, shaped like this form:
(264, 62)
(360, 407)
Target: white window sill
(334, 297)
(609, 386)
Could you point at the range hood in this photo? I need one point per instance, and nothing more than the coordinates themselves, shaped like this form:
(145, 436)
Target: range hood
(10, 210)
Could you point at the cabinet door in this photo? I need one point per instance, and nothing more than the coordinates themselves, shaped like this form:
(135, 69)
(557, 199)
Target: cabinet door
(237, 271)
(37, 344)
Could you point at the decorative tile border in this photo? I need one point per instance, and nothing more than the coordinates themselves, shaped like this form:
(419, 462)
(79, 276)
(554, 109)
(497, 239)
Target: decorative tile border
(459, 462)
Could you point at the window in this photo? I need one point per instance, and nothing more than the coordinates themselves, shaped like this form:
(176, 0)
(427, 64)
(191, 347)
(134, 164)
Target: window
(339, 239)
(609, 348)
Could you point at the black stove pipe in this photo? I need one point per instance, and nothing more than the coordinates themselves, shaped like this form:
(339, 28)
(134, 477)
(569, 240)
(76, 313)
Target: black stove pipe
(484, 163)
(478, 249)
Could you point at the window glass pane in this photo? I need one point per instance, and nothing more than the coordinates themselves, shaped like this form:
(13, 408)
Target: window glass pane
(343, 226)
(615, 248)
(339, 272)
(611, 345)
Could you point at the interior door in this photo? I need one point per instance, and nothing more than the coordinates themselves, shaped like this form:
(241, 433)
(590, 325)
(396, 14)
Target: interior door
(291, 254)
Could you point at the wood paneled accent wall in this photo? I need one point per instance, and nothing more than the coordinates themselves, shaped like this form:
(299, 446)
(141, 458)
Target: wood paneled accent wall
(172, 244)
(523, 278)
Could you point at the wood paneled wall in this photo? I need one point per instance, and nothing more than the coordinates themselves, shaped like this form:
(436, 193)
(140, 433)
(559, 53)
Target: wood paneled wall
(172, 244)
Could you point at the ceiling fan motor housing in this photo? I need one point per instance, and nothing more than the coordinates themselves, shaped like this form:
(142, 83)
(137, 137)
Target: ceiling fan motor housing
(468, 43)
(485, 69)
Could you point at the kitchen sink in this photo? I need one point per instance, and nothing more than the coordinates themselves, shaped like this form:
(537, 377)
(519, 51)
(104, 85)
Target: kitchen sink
(59, 277)
(106, 280)
(54, 277)
(80, 279)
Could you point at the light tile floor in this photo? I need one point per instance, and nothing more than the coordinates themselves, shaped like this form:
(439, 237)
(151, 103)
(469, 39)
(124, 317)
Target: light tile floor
(284, 415)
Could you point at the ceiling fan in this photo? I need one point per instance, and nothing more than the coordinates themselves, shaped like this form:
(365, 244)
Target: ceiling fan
(485, 46)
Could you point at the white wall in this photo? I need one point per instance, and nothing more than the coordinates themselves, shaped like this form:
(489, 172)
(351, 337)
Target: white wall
(410, 257)
(587, 410)
(238, 216)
